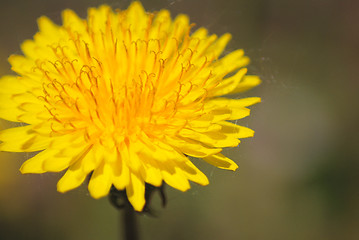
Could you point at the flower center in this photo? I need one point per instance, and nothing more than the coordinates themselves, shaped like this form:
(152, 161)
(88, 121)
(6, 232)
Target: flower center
(129, 88)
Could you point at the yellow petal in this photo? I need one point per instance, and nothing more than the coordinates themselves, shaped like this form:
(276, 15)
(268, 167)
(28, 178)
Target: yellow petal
(157, 150)
(217, 48)
(231, 62)
(11, 85)
(227, 85)
(15, 100)
(247, 83)
(34, 164)
(120, 173)
(100, 182)
(214, 139)
(30, 49)
(221, 161)
(180, 26)
(219, 114)
(193, 148)
(71, 20)
(24, 66)
(245, 132)
(56, 164)
(94, 156)
(130, 157)
(136, 192)
(203, 48)
(48, 28)
(232, 103)
(150, 171)
(137, 20)
(60, 161)
(203, 126)
(200, 33)
(74, 176)
(9, 110)
(97, 18)
(235, 130)
(72, 179)
(193, 173)
(67, 145)
(22, 139)
(174, 176)
(234, 107)
(160, 25)
(153, 175)
(239, 113)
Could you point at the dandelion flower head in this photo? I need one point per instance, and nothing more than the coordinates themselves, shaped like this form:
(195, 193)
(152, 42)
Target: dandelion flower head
(126, 95)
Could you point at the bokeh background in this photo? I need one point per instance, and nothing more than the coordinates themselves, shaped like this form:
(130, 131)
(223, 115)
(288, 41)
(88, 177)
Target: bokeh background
(298, 177)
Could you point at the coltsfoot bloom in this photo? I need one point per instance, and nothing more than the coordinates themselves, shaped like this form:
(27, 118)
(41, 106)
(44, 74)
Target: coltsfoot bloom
(127, 95)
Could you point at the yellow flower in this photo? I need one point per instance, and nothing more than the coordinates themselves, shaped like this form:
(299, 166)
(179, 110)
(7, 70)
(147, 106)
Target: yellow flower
(127, 95)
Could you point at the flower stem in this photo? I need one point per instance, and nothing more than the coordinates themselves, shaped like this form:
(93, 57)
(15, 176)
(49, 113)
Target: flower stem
(118, 198)
(130, 223)
(128, 219)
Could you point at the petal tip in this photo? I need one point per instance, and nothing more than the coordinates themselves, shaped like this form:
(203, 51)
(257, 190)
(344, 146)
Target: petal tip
(60, 188)
(98, 190)
(138, 203)
(233, 167)
(28, 167)
(24, 170)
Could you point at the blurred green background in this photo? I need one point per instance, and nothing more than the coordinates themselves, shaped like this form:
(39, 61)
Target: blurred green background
(298, 177)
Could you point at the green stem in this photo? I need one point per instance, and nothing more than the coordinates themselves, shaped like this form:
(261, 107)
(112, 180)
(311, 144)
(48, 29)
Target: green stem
(118, 198)
(130, 223)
